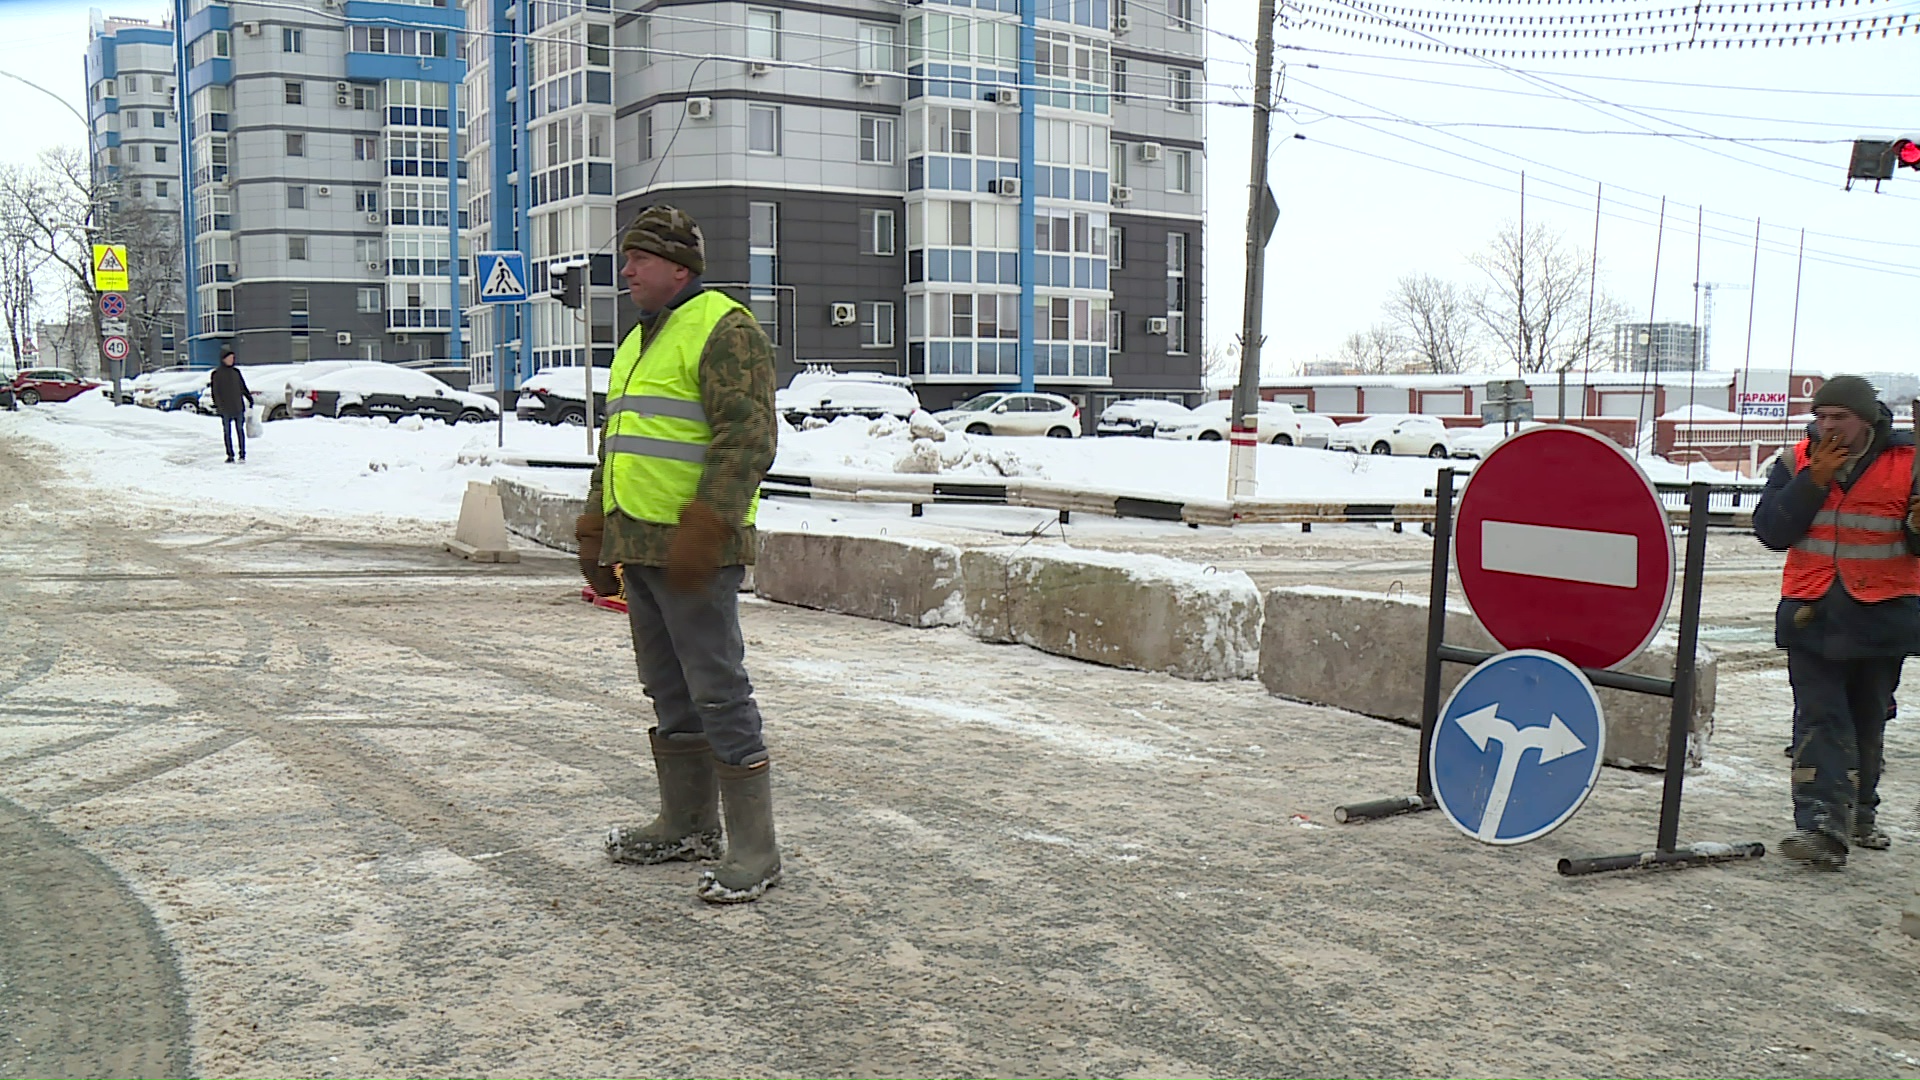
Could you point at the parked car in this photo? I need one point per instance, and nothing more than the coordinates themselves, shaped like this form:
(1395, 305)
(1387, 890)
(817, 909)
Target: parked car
(7, 400)
(1001, 413)
(270, 383)
(1394, 433)
(182, 392)
(559, 396)
(389, 391)
(830, 396)
(1214, 421)
(1139, 416)
(1315, 430)
(35, 385)
(130, 387)
(1475, 442)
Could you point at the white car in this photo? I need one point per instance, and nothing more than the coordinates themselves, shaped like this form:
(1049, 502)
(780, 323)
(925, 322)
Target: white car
(1315, 430)
(269, 383)
(832, 398)
(1475, 442)
(1139, 416)
(387, 390)
(558, 395)
(1394, 433)
(174, 390)
(1001, 413)
(1214, 421)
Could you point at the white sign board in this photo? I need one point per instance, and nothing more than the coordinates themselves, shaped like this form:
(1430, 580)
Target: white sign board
(1768, 406)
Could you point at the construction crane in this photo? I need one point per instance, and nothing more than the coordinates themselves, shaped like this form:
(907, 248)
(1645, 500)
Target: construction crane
(1705, 289)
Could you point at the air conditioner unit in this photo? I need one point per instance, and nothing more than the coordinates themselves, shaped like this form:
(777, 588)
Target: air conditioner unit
(342, 99)
(845, 314)
(330, 3)
(700, 108)
(758, 68)
(375, 265)
(341, 87)
(1152, 151)
(1122, 23)
(251, 29)
(373, 217)
(1006, 185)
(343, 338)
(1004, 95)
(401, 339)
(1156, 326)
(1119, 193)
(323, 191)
(869, 78)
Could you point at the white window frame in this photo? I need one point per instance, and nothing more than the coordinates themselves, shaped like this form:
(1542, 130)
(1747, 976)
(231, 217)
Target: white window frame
(876, 324)
(1180, 171)
(877, 148)
(878, 230)
(292, 40)
(754, 111)
(763, 33)
(297, 249)
(1180, 89)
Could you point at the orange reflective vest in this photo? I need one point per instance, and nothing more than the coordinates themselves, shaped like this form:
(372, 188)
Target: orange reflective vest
(1858, 535)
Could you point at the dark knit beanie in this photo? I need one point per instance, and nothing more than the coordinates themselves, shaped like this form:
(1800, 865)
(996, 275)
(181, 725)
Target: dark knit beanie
(669, 233)
(1850, 392)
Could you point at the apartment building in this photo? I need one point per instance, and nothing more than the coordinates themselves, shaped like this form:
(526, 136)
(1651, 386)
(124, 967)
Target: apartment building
(322, 170)
(134, 152)
(891, 186)
(540, 179)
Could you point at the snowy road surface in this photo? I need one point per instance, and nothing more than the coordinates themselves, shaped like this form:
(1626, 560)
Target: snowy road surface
(286, 796)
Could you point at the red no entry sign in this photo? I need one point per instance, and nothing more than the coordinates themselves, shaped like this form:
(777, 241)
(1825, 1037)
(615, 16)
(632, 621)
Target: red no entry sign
(1563, 545)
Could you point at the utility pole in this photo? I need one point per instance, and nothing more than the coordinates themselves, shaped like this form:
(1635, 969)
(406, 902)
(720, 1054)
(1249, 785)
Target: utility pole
(1242, 478)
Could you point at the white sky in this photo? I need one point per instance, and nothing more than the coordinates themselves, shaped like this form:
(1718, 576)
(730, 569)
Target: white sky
(1363, 205)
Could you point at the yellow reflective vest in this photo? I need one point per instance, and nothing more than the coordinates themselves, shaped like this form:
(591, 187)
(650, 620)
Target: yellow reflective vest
(657, 433)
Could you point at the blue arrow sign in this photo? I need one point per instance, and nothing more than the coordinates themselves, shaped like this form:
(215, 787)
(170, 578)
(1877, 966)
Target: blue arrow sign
(1517, 748)
(502, 276)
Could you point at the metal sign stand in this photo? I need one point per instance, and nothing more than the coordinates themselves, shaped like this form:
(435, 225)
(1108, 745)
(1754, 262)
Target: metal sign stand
(1679, 689)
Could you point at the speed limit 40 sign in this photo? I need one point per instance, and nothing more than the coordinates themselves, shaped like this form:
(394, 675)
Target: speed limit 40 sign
(114, 348)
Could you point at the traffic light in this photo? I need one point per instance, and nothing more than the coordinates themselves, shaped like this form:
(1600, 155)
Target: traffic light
(565, 283)
(1875, 159)
(1907, 153)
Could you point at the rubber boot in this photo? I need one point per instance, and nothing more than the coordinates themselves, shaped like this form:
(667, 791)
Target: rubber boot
(752, 865)
(688, 827)
(1817, 849)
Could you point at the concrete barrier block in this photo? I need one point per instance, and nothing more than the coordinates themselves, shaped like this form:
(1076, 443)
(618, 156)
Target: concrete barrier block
(984, 576)
(1134, 611)
(905, 581)
(1365, 652)
(542, 516)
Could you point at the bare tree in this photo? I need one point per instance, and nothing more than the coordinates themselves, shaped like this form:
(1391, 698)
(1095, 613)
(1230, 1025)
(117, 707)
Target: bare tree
(1373, 351)
(18, 263)
(1435, 320)
(1536, 306)
(156, 263)
(1220, 362)
(55, 208)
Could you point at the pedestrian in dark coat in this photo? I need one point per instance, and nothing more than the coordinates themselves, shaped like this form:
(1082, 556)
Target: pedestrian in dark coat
(1841, 505)
(231, 399)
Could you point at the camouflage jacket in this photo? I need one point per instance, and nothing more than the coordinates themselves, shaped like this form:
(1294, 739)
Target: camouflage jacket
(736, 390)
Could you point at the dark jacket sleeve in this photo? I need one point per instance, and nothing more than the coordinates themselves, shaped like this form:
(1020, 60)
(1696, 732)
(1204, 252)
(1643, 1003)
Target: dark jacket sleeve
(736, 391)
(1787, 505)
(245, 390)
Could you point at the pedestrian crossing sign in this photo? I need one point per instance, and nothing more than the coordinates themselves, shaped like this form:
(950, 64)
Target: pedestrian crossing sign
(110, 268)
(503, 276)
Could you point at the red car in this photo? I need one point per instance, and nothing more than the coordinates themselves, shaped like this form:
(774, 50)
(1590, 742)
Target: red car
(35, 385)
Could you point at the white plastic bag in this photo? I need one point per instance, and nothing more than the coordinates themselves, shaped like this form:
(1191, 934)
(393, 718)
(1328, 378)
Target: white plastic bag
(253, 423)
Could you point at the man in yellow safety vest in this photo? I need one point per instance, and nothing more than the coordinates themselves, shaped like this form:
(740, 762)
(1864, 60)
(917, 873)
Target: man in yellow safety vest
(690, 431)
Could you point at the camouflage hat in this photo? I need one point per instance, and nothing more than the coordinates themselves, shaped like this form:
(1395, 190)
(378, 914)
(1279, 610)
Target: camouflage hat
(669, 233)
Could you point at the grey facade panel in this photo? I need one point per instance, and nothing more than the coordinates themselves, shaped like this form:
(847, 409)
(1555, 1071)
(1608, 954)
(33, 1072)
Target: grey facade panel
(1140, 292)
(262, 321)
(819, 264)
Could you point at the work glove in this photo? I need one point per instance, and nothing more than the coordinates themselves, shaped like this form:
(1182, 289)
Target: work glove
(1824, 461)
(588, 529)
(693, 555)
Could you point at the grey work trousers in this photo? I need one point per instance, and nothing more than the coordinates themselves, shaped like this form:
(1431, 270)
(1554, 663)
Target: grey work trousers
(692, 659)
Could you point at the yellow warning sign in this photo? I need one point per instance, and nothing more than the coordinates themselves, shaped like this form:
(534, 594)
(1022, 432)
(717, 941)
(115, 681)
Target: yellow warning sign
(110, 267)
